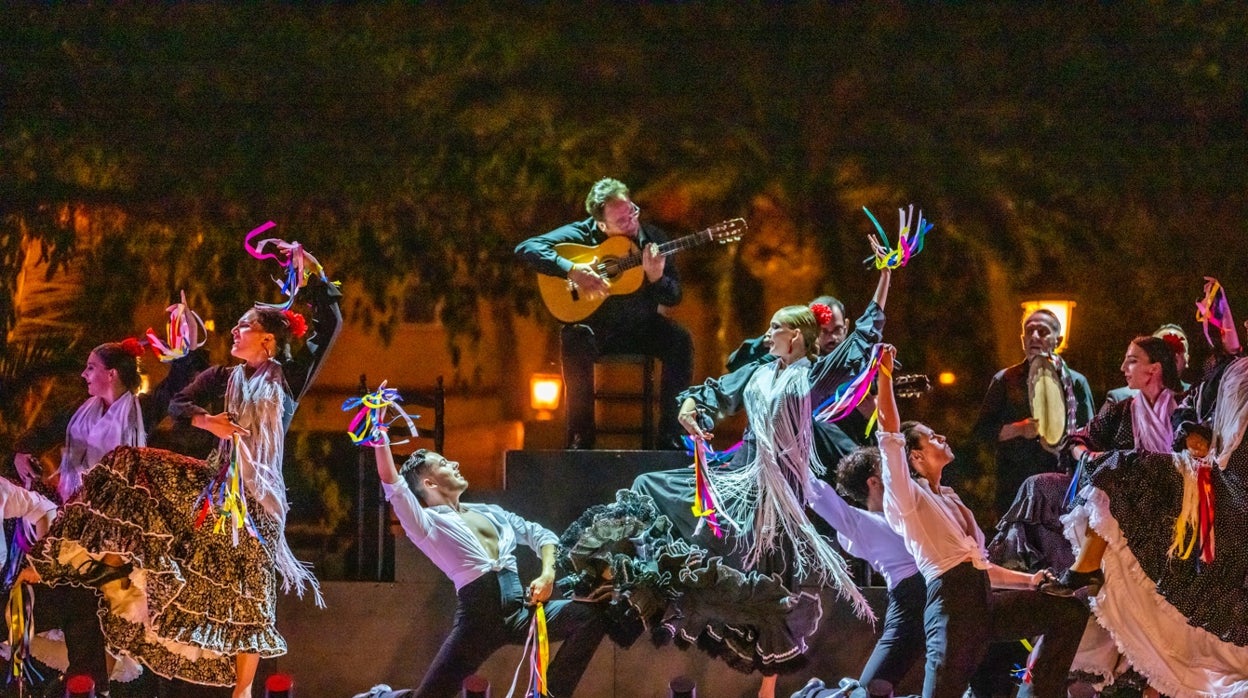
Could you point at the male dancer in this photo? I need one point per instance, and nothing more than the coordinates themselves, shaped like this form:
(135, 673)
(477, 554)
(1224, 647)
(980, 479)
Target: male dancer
(474, 544)
(970, 601)
(866, 534)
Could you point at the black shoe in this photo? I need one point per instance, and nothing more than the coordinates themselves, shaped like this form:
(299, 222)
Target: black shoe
(1071, 582)
(95, 573)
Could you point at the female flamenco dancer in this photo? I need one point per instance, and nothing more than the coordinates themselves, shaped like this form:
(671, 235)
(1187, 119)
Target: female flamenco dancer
(113, 415)
(763, 489)
(190, 603)
(1174, 527)
(1141, 422)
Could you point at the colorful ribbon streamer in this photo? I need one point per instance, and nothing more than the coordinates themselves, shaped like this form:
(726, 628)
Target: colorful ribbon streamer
(537, 653)
(1213, 309)
(365, 427)
(539, 660)
(1193, 527)
(298, 262)
(1073, 490)
(184, 333)
(713, 457)
(223, 499)
(910, 238)
(19, 614)
(1204, 489)
(22, 543)
(1022, 674)
(850, 395)
(705, 506)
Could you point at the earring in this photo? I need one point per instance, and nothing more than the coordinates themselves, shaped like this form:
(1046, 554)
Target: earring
(268, 353)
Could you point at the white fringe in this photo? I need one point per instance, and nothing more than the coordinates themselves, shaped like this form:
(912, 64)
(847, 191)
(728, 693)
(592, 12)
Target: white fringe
(256, 405)
(770, 488)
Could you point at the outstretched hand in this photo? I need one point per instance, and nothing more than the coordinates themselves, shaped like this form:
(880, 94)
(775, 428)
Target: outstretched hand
(888, 356)
(27, 468)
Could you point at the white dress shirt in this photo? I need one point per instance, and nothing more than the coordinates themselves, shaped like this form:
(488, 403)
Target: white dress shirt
(863, 534)
(442, 535)
(938, 529)
(34, 509)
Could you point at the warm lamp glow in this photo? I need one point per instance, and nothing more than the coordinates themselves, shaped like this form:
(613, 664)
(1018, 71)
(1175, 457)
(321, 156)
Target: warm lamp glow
(545, 389)
(1063, 309)
(210, 325)
(946, 378)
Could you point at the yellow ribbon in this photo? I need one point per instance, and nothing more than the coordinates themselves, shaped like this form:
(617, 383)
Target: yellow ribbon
(543, 647)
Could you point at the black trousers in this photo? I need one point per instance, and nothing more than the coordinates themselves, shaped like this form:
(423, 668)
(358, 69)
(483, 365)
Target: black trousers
(74, 611)
(964, 615)
(490, 614)
(656, 336)
(902, 640)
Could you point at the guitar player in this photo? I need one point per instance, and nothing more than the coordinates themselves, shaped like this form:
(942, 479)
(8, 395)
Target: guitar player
(623, 324)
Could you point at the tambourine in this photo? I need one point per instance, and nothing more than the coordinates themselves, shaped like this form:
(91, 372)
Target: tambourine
(1047, 398)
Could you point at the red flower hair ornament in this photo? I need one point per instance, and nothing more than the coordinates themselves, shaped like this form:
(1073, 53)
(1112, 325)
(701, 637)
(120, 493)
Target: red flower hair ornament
(1175, 342)
(823, 314)
(298, 325)
(132, 346)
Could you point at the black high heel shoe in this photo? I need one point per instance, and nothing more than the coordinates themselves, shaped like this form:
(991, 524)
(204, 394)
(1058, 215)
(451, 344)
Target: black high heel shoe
(97, 573)
(1071, 582)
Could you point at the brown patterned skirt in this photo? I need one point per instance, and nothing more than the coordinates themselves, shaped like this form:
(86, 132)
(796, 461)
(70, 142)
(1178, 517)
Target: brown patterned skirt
(195, 599)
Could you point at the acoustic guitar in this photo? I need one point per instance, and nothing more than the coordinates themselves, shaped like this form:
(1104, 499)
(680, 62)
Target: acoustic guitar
(618, 260)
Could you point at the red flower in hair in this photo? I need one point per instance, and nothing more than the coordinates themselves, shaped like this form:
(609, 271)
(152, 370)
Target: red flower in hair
(823, 314)
(1175, 342)
(131, 346)
(298, 325)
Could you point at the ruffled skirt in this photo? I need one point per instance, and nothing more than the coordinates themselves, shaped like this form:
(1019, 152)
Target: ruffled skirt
(625, 552)
(1029, 536)
(1183, 624)
(194, 598)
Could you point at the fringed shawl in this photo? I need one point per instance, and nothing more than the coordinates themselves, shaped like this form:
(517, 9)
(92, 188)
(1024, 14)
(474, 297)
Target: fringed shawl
(1151, 423)
(257, 403)
(770, 487)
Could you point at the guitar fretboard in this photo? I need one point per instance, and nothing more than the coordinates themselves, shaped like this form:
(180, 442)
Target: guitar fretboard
(668, 248)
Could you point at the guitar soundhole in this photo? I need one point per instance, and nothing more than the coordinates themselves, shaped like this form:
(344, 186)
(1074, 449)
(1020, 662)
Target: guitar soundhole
(609, 268)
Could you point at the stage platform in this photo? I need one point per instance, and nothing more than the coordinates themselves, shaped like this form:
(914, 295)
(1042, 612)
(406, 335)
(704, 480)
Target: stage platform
(389, 632)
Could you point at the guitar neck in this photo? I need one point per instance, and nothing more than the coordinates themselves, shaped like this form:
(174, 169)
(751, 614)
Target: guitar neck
(670, 247)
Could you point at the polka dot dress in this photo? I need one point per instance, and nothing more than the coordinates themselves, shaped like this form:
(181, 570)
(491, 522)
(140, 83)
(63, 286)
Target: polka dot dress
(1145, 494)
